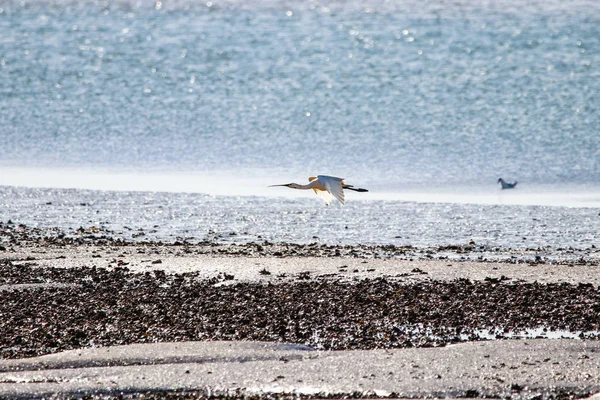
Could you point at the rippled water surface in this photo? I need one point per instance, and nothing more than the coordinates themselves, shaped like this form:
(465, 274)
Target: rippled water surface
(194, 217)
(391, 93)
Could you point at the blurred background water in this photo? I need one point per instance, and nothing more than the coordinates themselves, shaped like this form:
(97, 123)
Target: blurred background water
(388, 93)
(417, 100)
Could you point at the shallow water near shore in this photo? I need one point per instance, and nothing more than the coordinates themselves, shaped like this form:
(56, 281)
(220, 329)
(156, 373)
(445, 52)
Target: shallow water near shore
(171, 217)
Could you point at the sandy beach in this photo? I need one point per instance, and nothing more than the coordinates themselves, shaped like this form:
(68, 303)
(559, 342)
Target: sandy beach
(62, 293)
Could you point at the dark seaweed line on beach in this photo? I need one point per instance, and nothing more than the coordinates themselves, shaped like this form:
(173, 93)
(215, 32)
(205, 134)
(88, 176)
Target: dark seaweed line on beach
(111, 307)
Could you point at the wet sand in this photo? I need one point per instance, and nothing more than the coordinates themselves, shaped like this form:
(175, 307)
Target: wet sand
(60, 293)
(522, 369)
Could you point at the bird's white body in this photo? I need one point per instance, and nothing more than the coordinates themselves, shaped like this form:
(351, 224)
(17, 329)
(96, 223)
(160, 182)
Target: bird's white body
(326, 187)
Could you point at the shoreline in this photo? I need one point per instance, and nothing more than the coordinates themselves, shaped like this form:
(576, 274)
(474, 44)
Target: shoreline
(577, 195)
(21, 241)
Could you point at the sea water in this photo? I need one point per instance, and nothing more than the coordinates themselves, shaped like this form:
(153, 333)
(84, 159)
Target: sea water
(523, 233)
(190, 109)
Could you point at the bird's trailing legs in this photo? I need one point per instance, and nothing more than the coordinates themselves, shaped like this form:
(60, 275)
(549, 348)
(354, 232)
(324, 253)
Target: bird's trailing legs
(350, 187)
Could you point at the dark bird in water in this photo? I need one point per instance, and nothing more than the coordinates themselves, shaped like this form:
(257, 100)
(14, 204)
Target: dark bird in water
(506, 185)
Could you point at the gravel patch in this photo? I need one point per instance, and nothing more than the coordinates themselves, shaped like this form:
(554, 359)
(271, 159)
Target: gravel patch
(101, 307)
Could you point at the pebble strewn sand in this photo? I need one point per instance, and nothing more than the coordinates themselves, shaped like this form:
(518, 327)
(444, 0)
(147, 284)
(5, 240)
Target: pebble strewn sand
(54, 299)
(95, 307)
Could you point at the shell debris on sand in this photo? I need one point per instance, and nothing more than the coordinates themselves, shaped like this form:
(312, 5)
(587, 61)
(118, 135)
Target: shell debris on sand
(55, 299)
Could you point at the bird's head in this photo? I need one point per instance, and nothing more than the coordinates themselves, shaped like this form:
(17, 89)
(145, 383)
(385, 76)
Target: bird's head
(499, 180)
(290, 185)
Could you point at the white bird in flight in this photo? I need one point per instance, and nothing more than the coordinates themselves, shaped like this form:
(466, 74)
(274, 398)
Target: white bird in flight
(506, 185)
(326, 187)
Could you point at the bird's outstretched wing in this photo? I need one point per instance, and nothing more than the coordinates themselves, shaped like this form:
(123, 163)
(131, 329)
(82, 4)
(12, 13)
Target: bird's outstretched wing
(333, 185)
(324, 195)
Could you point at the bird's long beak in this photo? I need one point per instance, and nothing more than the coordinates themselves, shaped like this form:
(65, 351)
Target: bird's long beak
(287, 184)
